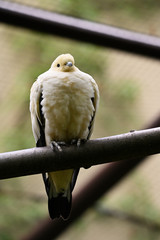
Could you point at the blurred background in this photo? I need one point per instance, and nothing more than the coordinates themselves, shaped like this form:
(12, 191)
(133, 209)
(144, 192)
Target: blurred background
(129, 88)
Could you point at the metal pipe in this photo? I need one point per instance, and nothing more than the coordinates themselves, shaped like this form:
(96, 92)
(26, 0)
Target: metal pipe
(132, 145)
(79, 29)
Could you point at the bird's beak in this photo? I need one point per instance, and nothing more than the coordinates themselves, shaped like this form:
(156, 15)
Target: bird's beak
(69, 64)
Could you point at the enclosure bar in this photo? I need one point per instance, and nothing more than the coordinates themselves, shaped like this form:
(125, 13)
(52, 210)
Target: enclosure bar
(101, 183)
(79, 29)
(132, 145)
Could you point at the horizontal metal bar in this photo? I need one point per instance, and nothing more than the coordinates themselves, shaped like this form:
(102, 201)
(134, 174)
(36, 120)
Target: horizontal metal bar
(79, 29)
(128, 146)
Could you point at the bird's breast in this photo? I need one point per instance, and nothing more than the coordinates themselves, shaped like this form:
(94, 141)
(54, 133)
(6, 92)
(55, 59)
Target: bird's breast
(67, 108)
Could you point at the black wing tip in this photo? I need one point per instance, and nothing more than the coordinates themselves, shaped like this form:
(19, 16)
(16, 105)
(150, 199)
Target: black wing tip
(74, 178)
(59, 207)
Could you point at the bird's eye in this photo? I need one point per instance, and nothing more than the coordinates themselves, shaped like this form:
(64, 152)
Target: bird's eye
(58, 65)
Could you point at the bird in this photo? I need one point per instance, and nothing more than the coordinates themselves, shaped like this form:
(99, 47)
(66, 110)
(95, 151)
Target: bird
(63, 104)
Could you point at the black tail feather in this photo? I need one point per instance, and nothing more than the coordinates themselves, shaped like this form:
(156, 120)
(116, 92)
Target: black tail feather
(59, 206)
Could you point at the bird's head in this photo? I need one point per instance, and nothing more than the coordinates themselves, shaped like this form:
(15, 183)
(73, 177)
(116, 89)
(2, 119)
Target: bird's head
(63, 63)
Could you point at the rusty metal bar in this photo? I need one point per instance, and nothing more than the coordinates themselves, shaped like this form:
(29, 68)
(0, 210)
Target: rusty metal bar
(79, 29)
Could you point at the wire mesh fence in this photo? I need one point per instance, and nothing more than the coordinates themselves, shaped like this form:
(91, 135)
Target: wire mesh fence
(129, 87)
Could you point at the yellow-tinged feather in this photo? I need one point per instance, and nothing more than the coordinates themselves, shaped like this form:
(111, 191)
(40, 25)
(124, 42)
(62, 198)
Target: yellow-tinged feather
(61, 179)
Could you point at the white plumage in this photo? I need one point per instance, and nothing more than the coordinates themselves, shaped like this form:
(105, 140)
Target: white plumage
(63, 102)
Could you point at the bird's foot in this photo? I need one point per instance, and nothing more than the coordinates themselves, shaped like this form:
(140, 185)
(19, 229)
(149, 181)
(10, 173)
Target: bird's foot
(78, 142)
(56, 146)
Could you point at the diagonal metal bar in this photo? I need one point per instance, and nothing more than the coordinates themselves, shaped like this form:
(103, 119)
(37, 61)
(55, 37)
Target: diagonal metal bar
(132, 145)
(79, 29)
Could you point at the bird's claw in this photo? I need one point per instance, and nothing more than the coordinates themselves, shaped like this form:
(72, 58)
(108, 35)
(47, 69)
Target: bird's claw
(78, 142)
(55, 146)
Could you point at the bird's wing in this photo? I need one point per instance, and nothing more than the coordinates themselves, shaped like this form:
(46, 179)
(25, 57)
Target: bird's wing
(95, 101)
(38, 121)
(37, 117)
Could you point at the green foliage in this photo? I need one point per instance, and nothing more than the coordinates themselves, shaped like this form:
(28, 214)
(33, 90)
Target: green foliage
(134, 199)
(116, 105)
(128, 6)
(83, 9)
(17, 215)
(138, 200)
(125, 92)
